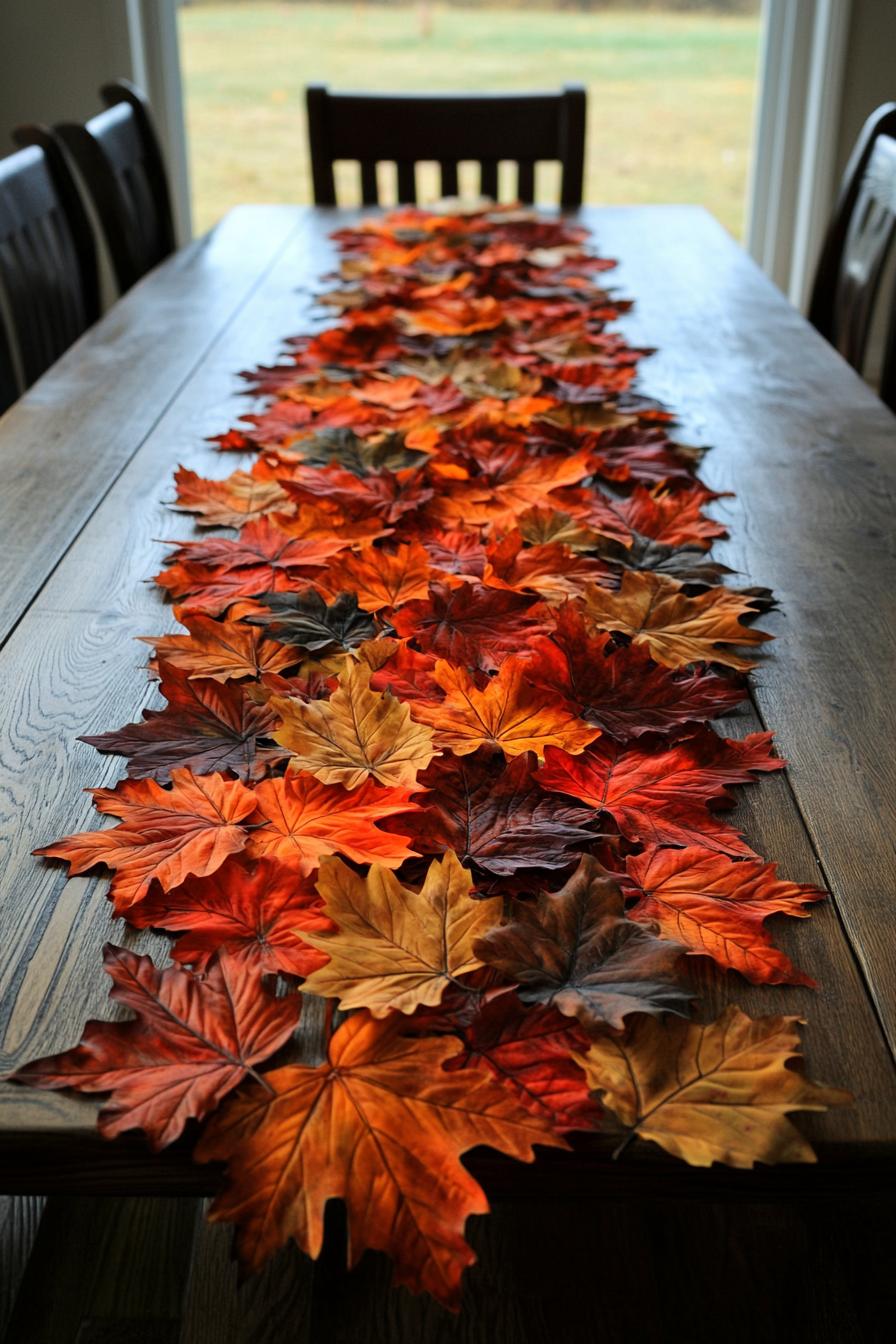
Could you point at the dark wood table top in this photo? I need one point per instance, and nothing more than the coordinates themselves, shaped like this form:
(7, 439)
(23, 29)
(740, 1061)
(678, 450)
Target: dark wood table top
(86, 462)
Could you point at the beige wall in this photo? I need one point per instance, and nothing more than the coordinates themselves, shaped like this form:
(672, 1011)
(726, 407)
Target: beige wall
(870, 73)
(54, 54)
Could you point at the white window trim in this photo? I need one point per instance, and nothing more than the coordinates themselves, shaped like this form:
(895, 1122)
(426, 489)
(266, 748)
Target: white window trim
(792, 184)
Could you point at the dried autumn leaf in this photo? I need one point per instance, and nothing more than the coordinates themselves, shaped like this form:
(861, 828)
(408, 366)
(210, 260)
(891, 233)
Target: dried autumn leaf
(258, 912)
(673, 518)
(380, 1125)
(674, 628)
(715, 1092)
(663, 797)
(620, 687)
(192, 1041)
(308, 622)
(205, 726)
(379, 578)
(165, 835)
(264, 544)
(529, 1051)
(575, 949)
(717, 907)
(509, 713)
(298, 820)
(357, 734)
(221, 650)
(396, 948)
(469, 626)
(493, 815)
(229, 503)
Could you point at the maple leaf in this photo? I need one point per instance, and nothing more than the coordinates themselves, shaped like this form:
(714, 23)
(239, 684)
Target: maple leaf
(192, 1041)
(715, 1092)
(200, 590)
(493, 815)
(662, 797)
(239, 499)
(620, 687)
(554, 572)
(529, 1051)
(205, 726)
(380, 579)
(165, 834)
(259, 912)
(396, 948)
(264, 544)
(676, 629)
(716, 907)
(298, 819)
(357, 734)
(308, 622)
(508, 713)
(575, 949)
(381, 1125)
(221, 650)
(673, 518)
(399, 668)
(468, 625)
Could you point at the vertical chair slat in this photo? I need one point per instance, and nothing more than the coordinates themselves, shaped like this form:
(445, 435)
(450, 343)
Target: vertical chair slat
(407, 183)
(488, 178)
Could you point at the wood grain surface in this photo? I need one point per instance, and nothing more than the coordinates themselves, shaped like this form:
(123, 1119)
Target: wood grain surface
(812, 455)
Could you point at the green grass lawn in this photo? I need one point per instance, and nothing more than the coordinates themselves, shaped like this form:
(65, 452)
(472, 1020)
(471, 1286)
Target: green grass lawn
(670, 96)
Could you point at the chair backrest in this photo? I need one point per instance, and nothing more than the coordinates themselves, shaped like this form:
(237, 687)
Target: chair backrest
(120, 162)
(447, 128)
(47, 256)
(856, 248)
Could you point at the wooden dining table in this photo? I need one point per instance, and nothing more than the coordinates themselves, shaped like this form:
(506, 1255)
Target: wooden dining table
(86, 464)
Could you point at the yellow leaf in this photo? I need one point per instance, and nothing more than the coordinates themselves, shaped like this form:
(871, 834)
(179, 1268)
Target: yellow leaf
(396, 948)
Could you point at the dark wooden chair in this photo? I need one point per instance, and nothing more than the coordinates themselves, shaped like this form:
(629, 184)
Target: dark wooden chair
(47, 258)
(118, 156)
(447, 128)
(856, 250)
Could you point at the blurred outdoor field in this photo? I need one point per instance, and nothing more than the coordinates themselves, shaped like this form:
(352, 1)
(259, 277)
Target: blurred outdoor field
(670, 95)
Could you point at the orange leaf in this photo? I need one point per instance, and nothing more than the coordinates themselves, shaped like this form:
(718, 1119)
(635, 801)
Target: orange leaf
(378, 578)
(298, 819)
(716, 906)
(165, 834)
(380, 1125)
(509, 713)
(227, 503)
(220, 650)
(192, 1041)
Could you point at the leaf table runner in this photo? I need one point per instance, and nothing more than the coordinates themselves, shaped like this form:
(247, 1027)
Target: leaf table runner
(437, 747)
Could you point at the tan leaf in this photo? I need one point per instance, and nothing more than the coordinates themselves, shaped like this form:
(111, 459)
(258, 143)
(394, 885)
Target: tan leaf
(396, 948)
(718, 1092)
(357, 734)
(674, 628)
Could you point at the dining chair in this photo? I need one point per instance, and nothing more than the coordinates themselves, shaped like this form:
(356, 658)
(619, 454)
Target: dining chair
(48, 271)
(119, 159)
(856, 249)
(447, 128)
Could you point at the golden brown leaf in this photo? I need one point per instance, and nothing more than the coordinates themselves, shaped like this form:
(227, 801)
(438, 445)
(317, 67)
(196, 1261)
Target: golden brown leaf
(718, 1092)
(676, 629)
(357, 734)
(395, 948)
